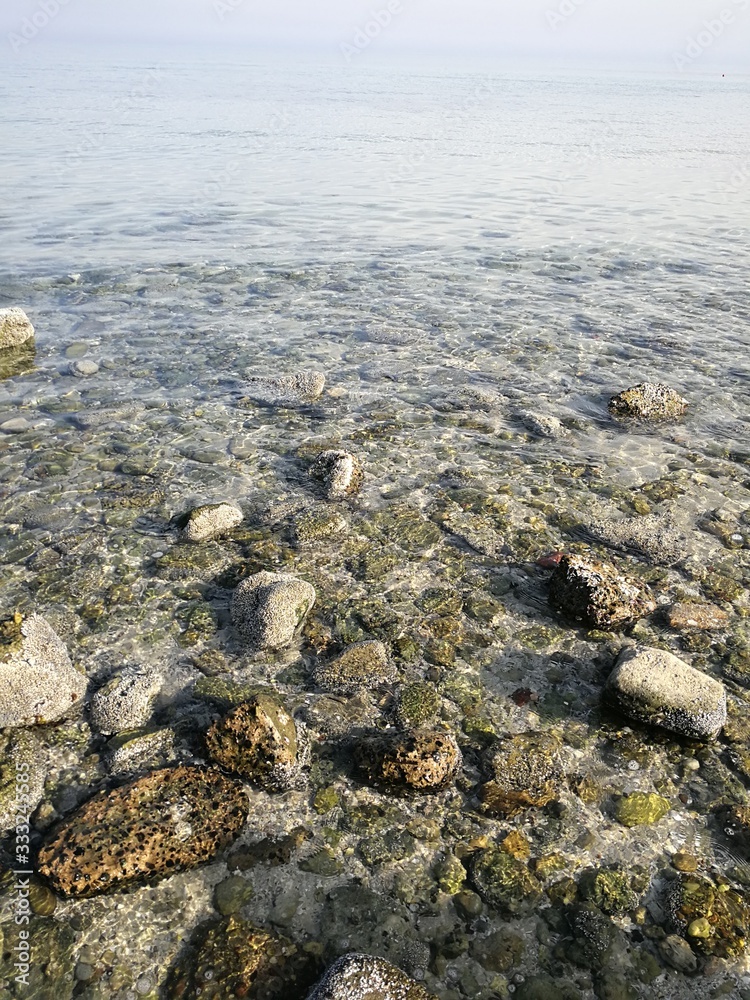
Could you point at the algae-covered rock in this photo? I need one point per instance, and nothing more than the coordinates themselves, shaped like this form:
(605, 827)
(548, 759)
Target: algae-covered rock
(419, 759)
(641, 809)
(234, 958)
(648, 401)
(654, 686)
(268, 608)
(499, 951)
(211, 521)
(259, 741)
(710, 915)
(317, 523)
(37, 680)
(366, 977)
(285, 391)
(526, 771)
(125, 701)
(417, 704)
(231, 894)
(362, 665)
(593, 936)
(168, 821)
(610, 889)
(339, 474)
(15, 328)
(596, 595)
(504, 882)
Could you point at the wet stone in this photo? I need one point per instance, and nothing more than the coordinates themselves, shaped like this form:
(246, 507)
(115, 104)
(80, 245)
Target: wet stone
(125, 701)
(688, 616)
(542, 425)
(609, 889)
(232, 894)
(417, 704)
(596, 595)
(268, 608)
(677, 953)
(168, 821)
(656, 687)
(362, 665)
(15, 328)
(339, 474)
(652, 537)
(366, 977)
(710, 915)
(417, 760)
(211, 521)
(285, 391)
(641, 809)
(648, 401)
(504, 882)
(526, 771)
(259, 741)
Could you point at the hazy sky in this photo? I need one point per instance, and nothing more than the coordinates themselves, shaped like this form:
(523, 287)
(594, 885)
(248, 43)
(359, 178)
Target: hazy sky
(707, 33)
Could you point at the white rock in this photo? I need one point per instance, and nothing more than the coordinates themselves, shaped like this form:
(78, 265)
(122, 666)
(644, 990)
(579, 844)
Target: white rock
(210, 521)
(340, 473)
(268, 608)
(15, 328)
(81, 367)
(126, 701)
(294, 390)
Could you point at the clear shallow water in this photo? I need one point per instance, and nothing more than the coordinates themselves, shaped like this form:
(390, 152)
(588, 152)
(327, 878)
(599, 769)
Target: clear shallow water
(413, 234)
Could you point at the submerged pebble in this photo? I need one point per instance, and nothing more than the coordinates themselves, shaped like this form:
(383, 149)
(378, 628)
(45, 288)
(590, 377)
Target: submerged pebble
(290, 391)
(83, 367)
(339, 473)
(362, 665)
(211, 521)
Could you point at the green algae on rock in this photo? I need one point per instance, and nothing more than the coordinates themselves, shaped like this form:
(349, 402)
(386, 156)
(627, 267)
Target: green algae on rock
(610, 889)
(423, 760)
(712, 916)
(596, 594)
(259, 741)
(268, 608)
(366, 977)
(362, 665)
(234, 958)
(656, 687)
(525, 773)
(648, 401)
(504, 882)
(417, 704)
(168, 821)
(641, 809)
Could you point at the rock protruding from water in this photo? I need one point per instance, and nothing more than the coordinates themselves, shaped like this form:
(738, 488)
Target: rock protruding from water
(268, 608)
(339, 473)
(656, 687)
(15, 328)
(596, 595)
(286, 391)
(125, 701)
(361, 665)
(525, 770)
(258, 741)
(38, 683)
(365, 977)
(649, 401)
(423, 760)
(210, 521)
(166, 822)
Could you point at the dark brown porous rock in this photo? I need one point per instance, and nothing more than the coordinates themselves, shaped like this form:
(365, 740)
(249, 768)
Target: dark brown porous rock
(259, 741)
(233, 958)
(596, 595)
(648, 401)
(365, 977)
(166, 822)
(424, 760)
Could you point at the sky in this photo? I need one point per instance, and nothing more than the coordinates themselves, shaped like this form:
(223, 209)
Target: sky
(705, 35)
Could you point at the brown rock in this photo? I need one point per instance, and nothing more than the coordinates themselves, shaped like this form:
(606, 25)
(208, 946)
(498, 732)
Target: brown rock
(420, 759)
(696, 616)
(596, 595)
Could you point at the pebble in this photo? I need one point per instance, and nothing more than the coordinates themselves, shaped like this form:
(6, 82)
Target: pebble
(542, 425)
(703, 617)
(290, 391)
(82, 368)
(16, 425)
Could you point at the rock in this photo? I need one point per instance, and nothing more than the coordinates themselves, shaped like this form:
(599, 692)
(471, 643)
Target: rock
(21, 756)
(339, 472)
(232, 894)
(419, 759)
(15, 328)
(126, 700)
(417, 704)
(37, 680)
(365, 977)
(652, 537)
(596, 595)
(317, 523)
(234, 958)
(260, 742)
(610, 889)
(648, 401)
(654, 686)
(16, 425)
(288, 391)
(165, 822)
(211, 521)
(641, 809)
(362, 665)
(499, 951)
(735, 822)
(526, 770)
(82, 367)
(711, 915)
(542, 426)
(268, 608)
(703, 617)
(504, 882)
(677, 952)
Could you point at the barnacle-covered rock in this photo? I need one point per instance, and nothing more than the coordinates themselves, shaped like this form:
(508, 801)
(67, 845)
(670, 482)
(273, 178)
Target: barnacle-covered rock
(419, 759)
(656, 687)
(125, 701)
(166, 822)
(596, 595)
(268, 608)
(526, 770)
(362, 665)
(210, 521)
(648, 401)
(339, 473)
(365, 977)
(234, 958)
(259, 741)
(503, 881)
(38, 683)
(15, 328)
(286, 391)
(710, 915)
